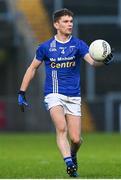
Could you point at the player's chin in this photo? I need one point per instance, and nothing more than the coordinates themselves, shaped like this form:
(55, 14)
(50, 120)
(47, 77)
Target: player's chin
(68, 33)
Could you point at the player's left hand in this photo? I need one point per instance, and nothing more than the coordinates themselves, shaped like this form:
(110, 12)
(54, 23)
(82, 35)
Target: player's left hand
(109, 59)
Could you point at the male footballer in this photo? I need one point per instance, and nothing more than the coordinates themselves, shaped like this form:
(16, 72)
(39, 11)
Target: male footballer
(62, 56)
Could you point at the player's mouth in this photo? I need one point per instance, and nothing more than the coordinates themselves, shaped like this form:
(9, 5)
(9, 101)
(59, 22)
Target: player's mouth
(70, 29)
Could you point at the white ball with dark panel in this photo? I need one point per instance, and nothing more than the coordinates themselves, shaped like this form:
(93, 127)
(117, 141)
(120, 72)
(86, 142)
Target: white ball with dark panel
(99, 49)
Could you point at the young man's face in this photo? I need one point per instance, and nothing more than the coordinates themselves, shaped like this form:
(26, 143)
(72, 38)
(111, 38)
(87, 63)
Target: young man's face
(64, 25)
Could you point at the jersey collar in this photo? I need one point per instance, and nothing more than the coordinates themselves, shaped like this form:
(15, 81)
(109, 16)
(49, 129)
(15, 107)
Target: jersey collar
(62, 41)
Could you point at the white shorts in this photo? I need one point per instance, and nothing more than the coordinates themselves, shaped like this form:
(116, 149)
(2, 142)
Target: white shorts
(71, 105)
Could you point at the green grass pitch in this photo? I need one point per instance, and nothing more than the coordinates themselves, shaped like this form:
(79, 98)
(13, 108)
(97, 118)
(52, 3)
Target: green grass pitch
(37, 156)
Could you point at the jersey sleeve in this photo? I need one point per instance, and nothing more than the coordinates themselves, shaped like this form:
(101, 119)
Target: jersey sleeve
(40, 53)
(83, 48)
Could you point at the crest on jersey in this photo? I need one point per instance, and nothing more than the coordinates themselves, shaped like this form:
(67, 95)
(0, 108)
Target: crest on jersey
(53, 46)
(72, 47)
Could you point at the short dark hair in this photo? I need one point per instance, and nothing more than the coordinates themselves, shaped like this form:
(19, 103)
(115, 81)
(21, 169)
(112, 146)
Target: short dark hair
(62, 12)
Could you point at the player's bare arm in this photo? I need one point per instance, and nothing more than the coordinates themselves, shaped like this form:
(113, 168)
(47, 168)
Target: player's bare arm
(30, 73)
(91, 61)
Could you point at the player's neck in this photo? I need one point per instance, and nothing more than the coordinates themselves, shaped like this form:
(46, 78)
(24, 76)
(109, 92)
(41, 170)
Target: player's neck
(62, 38)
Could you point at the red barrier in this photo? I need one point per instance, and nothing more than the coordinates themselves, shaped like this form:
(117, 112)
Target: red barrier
(2, 115)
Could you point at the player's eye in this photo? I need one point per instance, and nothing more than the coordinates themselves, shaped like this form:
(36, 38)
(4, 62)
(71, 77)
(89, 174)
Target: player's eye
(66, 21)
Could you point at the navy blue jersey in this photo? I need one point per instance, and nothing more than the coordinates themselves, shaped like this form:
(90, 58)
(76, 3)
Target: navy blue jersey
(62, 65)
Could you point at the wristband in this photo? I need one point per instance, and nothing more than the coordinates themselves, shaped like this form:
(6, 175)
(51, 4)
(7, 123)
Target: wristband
(22, 92)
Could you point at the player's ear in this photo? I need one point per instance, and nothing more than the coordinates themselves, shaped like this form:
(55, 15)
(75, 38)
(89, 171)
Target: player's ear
(55, 24)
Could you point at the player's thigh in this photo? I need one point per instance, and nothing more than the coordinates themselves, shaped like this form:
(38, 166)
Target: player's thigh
(74, 126)
(58, 118)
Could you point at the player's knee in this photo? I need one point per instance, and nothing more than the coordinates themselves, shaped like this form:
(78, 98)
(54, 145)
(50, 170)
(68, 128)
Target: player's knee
(76, 139)
(62, 130)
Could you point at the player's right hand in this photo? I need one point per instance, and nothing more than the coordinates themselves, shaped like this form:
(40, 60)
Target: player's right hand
(22, 100)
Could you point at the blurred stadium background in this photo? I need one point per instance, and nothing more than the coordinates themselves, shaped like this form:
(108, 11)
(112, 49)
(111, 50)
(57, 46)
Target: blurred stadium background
(26, 23)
